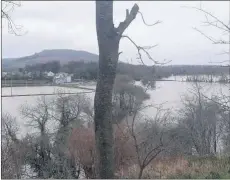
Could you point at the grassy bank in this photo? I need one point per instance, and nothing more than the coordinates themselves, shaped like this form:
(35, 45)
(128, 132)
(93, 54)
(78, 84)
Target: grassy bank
(186, 168)
(205, 168)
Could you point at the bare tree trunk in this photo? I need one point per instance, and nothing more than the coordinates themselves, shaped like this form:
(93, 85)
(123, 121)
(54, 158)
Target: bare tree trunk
(108, 43)
(140, 172)
(214, 139)
(122, 100)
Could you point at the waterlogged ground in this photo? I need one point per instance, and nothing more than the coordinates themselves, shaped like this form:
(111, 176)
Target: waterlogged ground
(12, 105)
(167, 92)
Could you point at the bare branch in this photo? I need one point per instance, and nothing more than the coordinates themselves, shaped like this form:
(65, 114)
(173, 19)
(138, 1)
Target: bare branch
(224, 52)
(223, 105)
(120, 53)
(224, 61)
(140, 48)
(5, 11)
(142, 17)
(130, 16)
(144, 144)
(212, 39)
(227, 27)
(215, 22)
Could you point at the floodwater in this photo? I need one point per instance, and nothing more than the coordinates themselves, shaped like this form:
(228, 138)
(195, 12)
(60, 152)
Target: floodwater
(167, 92)
(170, 94)
(12, 105)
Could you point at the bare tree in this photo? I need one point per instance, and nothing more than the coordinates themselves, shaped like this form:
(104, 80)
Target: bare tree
(126, 97)
(200, 117)
(40, 154)
(49, 155)
(149, 135)
(108, 41)
(223, 99)
(12, 155)
(69, 111)
(9, 128)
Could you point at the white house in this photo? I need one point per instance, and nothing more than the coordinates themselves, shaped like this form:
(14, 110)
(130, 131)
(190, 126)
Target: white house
(62, 78)
(4, 74)
(50, 74)
(29, 74)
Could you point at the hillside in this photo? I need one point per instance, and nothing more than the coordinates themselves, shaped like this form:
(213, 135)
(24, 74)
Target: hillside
(62, 55)
(68, 55)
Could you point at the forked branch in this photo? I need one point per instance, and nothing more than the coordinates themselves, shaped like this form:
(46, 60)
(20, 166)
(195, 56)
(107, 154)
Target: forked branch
(130, 16)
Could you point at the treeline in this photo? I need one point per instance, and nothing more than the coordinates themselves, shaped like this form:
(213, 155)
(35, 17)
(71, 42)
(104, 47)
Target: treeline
(180, 70)
(208, 78)
(88, 71)
(53, 66)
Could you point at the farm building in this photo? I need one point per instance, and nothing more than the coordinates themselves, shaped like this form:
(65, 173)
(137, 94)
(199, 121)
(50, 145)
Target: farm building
(62, 78)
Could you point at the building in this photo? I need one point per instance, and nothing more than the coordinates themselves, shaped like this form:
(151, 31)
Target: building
(62, 78)
(50, 74)
(29, 74)
(4, 74)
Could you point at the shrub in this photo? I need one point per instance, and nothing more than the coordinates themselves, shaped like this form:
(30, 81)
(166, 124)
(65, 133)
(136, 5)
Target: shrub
(213, 175)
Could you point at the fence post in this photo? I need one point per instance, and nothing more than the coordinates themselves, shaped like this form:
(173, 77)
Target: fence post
(11, 83)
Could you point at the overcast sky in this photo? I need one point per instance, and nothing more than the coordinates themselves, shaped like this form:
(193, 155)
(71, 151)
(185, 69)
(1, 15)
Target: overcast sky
(71, 25)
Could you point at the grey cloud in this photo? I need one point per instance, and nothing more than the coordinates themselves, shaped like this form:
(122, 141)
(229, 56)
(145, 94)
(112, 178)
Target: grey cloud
(71, 25)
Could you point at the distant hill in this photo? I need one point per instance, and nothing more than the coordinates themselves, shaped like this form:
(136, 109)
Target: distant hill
(67, 55)
(62, 55)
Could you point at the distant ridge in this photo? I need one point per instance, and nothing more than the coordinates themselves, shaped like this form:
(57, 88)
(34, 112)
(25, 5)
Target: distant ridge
(62, 55)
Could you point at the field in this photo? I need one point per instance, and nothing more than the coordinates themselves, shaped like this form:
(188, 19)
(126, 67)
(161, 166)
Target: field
(17, 83)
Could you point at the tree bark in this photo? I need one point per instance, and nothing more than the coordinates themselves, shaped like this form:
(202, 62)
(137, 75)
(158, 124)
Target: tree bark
(108, 43)
(108, 38)
(122, 100)
(140, 172)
